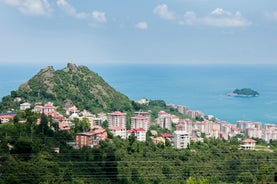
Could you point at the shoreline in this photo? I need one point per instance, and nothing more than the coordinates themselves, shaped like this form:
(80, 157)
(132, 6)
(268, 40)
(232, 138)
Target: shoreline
(238, 95)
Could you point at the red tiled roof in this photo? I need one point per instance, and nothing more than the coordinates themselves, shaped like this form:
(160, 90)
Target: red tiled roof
(7, 116)
(162, 112)
(249, 141)
(136, 130)
(92, 132)
(139, 117)
(117, 128)
(166, 135)
(64, 126)
(117, 113)
(48, 107)
(58, 118)
(98, 131)
(95, 127)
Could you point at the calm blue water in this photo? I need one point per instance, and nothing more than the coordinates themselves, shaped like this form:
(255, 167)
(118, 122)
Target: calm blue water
(199, 87)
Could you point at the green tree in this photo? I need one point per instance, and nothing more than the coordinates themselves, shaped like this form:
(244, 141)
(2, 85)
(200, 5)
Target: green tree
(105, 125)
(43, 127)
(246, 177)
(266, 173)
(81, 125)
(131, 139)
(167, 171)
(193, 180)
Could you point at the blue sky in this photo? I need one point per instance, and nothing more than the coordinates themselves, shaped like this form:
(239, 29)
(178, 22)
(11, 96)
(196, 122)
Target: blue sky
(144, 31)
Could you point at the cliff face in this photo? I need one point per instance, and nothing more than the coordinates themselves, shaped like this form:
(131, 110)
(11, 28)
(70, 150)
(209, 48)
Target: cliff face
(44, 79)
(74, 83)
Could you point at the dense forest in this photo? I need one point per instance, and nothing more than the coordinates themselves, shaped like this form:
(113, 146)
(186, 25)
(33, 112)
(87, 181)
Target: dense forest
(27, 156)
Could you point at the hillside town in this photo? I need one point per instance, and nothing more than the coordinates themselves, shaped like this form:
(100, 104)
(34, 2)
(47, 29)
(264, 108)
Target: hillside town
(183, 131)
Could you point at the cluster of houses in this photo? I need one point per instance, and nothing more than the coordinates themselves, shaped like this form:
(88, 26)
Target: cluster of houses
(186, 129)
(190, 113)
(255, 130)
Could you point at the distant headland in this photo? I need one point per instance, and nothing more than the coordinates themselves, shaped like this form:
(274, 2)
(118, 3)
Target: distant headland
(244, 92)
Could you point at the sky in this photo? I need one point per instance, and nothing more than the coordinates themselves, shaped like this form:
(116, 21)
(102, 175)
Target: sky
(138, 32)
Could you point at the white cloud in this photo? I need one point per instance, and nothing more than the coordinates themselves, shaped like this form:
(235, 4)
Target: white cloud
(218, 18)
(220, 11)
(226, 22)
(31, 7)
(142, 25)
(190, 18)
(99, 17)
(162, 11)
(271, 15)
(70, 10)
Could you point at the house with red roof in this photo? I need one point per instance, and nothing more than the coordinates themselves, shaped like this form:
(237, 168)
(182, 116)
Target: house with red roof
(119, 131)
(248, 144)
(64, 126)
(91, 138)
(166, 136)
(6, 117)
(59, 118)
(47, 109)
(38, 109)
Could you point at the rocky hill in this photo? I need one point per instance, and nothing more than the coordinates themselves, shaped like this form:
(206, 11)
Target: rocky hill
(73, 84)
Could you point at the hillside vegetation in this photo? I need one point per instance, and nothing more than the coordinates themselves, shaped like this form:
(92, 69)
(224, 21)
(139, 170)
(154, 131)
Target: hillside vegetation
(27, 156)
(79, 85)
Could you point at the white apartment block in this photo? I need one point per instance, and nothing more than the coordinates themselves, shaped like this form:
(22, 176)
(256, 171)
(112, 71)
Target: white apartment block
(181, 139)
(243, 125)
(254, 133)
(119, 131)
(140, 133)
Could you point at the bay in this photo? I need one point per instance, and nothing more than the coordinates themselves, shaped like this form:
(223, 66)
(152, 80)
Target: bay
(201, 87)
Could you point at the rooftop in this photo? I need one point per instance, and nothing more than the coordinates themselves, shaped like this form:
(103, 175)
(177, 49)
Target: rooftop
(249, 141)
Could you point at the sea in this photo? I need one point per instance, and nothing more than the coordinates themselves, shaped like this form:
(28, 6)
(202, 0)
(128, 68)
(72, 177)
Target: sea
(200, 87)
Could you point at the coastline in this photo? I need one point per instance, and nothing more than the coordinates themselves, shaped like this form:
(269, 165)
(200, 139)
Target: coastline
(185, 87)
(241, 95)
